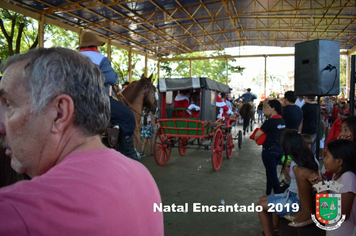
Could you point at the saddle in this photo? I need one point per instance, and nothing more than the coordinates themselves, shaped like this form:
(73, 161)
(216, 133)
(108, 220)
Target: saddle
(113, 135)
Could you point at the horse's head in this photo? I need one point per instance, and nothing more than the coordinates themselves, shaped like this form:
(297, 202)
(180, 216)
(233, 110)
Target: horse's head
(141, 93)
(150, 101)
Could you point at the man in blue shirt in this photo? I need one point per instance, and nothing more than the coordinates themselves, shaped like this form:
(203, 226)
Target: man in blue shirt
(89, 47)
(120, 114)
(247, 97)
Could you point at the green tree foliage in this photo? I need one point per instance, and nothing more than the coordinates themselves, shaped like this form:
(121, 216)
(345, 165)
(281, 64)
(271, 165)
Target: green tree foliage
(18, 33)
(120, 63)
(258, 80)
(271, 80)
(343, 63)
(213, 68)
(57, 36)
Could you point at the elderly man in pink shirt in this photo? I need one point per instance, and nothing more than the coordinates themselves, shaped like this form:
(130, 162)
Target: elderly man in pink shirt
(53, 108)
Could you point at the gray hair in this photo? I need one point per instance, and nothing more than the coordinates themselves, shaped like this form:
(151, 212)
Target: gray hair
(54, 71)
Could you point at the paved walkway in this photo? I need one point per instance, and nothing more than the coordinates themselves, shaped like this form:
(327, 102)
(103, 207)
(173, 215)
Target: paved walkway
(190, 179)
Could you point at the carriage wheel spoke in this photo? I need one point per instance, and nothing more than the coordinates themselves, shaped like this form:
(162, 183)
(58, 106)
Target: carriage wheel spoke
(217, 149)
(161, 149)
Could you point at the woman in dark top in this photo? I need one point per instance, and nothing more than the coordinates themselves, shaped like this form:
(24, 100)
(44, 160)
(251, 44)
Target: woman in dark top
(272, 150)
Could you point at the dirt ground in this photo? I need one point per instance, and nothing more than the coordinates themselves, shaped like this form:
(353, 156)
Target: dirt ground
(190, 180)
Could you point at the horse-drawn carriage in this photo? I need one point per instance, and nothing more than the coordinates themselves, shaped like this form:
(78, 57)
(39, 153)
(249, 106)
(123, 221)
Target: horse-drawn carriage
(193, 132)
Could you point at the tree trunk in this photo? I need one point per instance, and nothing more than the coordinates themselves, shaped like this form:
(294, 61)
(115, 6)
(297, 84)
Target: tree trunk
(8, 38)
(18, 40)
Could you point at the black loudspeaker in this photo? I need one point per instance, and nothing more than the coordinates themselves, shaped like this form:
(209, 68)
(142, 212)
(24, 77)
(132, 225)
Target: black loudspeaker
(317, 68)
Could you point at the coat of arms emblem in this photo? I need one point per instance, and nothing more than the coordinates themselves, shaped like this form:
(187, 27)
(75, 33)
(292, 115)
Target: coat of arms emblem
(328, 206)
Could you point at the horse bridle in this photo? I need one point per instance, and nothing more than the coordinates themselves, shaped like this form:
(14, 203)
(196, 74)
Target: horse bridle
(153, 94)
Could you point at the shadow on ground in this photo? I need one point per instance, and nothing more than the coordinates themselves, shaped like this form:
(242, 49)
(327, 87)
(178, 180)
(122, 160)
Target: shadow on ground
(191, 179)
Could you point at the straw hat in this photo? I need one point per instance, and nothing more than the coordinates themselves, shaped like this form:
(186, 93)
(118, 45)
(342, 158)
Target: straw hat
(90, 39)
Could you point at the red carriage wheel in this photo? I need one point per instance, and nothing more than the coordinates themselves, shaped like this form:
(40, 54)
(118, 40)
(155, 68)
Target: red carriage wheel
(161, 149)
(217, 149)
(182, 149)
(229, 146)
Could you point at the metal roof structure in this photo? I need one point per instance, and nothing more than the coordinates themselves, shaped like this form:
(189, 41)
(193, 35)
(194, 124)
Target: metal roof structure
(169, 27)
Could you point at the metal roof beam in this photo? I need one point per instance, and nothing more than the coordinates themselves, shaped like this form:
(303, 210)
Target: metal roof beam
(192, 18)
(131, 31)
(58, 23)
(214, 21)
(225, 57)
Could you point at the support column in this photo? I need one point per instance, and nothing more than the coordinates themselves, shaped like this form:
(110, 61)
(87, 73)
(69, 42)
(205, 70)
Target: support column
(227, 70)
(348, 72)
(352, 85)
(108, 48)
(41, 22)
(130, 65)
(190, 68)
(146, 63)
(158, 68)
(265, 77)
(80, 34)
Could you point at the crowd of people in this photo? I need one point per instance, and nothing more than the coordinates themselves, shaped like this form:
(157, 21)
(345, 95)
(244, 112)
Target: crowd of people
(291, 132)
(54, 105)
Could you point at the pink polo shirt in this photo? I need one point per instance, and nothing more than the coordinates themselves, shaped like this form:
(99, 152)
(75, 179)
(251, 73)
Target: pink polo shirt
(98, 192)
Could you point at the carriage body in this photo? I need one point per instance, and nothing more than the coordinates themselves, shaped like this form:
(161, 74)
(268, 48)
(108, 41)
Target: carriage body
(184, 133)
(208, 89)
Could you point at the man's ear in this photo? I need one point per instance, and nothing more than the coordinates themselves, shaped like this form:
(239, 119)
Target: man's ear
(62, 110)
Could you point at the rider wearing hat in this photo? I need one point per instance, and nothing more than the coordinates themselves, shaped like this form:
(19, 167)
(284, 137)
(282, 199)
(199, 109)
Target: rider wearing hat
(247, 97)
(120, 114)
(89, 47)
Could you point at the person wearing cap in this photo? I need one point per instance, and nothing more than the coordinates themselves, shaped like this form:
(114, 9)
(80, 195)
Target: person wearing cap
(182, 101)
(120, 114)
(226, 99)
(89, 47)
(223, 110)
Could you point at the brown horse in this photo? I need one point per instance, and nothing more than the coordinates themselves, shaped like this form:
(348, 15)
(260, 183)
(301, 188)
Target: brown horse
(140, 94)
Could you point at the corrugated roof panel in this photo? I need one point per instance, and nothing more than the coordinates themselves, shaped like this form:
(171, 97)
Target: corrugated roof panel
(182, 26)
